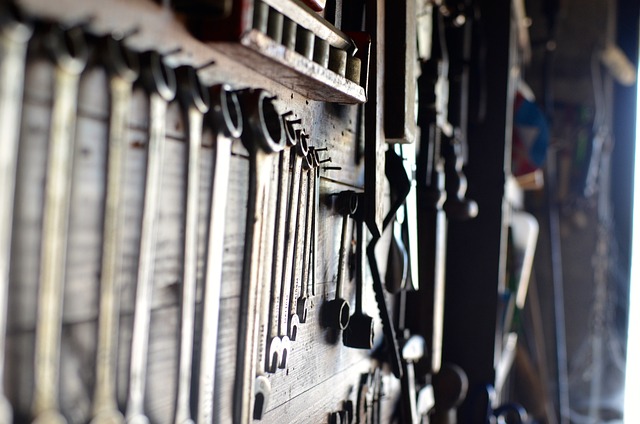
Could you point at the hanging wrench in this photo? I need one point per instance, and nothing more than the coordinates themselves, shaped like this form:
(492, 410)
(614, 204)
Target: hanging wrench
(263, 136)
(301, 151)
(14, 39)
(160, 82)
(309, 236)
(296, 318)
(226, 119)
(70, 53)
(195, 102)
(123, 70)
(279, 343)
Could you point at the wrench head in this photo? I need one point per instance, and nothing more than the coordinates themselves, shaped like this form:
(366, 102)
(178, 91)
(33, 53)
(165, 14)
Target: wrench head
(138, 419)
(286, 348)
(359, 332)
(50, 416)
(225, 111)
(261, 397)
(335, 314)
(108, 416)
(303, 305)
(264, 130)
(294, 324)
(274, 354)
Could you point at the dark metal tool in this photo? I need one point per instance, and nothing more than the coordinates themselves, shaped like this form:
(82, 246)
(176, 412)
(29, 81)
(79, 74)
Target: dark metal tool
(226, 119)
(336, 311)
(70, 52)
(309, 236)
(194, 97)
(14, 40)
(263, 136)
(160, 82)
(123, 68)
(359, 332)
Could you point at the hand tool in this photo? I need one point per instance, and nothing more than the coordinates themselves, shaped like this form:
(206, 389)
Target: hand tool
(263, 136)
(299, 155)
(195, 102)
(70, 52)
(412, 352)
(336, 311)
(450, 387)
(123, 68)
(279, 343)
(309, 236)
(14, 40)
(359, 332)
(160, 82)
(226, 119)
(295, 317)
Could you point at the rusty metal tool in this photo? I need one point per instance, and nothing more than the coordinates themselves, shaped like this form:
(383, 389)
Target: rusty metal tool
(226, 119)
(160, 82)
(70, 52)
(123, 68)
(14, 40)
(263, 136)
(194, 97)
(359, 332)
(336, 311)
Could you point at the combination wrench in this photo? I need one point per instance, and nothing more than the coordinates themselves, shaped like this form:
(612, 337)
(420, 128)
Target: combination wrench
(300, 153)
(296, 317)
(263, 136)
(226, 119)
(70, 52)
(194, 98)
(278, 342)
(123, 68)
(14, 40)
(160, 82)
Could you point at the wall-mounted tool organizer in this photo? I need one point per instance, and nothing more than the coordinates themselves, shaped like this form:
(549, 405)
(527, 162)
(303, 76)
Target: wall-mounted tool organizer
(208, 224)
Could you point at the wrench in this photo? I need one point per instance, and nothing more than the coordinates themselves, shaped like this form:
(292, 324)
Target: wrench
(309, 236)
(298, 250)
(160, 81)
(14, 39)
(263, 136)
(70, 52)
(336, 311)
(301, 151)
(226, 119)
(123, 69)
(195, 101)
(279, 343)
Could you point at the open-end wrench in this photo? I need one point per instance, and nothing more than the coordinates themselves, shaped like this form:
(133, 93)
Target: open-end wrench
(336, 311)
(263, 136)
(14, 40)
(298, 250)
(160, 82)
(226, 119)
(309, 236)
(279, 343)
(301, 151)
(70, 53)
(123, 68)
(194, 98)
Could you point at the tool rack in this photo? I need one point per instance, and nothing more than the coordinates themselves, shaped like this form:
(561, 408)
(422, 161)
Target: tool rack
(336, 100)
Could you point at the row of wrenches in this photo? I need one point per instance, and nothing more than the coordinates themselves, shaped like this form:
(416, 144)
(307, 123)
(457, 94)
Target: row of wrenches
(279, 259)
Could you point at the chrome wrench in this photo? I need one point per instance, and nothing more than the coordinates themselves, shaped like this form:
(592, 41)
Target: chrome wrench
(226, 119)
(195, 101)
(14, 40)
(263, 136)
(123, 68)
(70, 53)
(301, 151)
(160, 82)
(295, 318)
(278, 342)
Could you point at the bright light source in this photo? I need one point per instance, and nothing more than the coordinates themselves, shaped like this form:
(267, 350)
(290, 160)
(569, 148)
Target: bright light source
(632, 379)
